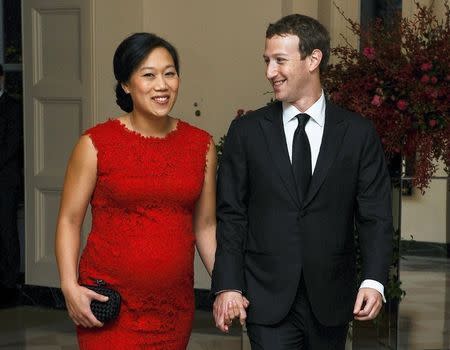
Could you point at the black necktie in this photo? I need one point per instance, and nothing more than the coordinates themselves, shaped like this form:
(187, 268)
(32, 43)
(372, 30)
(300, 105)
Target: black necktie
(301, 155)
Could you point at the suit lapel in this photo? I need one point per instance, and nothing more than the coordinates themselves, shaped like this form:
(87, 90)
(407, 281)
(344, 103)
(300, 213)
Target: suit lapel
(272, 126)
(333, 135)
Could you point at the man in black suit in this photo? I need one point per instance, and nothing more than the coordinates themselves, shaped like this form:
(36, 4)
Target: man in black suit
(295, 179)
(10, 181)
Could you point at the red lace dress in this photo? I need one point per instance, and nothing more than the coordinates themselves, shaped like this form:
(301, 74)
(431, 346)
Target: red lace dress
(141, 241)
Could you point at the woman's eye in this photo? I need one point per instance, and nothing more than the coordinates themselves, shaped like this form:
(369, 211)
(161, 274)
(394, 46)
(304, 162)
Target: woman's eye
(149, 75)
(170, 74)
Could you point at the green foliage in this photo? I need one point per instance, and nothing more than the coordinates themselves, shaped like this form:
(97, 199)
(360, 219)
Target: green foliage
(219, 148)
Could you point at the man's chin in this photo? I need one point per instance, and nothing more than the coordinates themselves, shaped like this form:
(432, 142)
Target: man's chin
(279, 96)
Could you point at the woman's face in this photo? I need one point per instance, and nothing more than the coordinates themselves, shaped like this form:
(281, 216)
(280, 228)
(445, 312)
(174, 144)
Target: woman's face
(153, 86)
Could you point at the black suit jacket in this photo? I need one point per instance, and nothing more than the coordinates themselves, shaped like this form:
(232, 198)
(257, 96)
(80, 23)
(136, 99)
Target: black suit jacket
(11, 141)
(268, 236)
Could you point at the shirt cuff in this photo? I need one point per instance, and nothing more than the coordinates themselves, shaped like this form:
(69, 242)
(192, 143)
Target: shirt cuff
(374, 285)
(228, 290)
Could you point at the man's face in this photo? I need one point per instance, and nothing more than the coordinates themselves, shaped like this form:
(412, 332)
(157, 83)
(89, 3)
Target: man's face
(288, 73)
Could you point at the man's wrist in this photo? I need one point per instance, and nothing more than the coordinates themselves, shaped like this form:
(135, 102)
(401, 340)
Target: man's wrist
(368, 283)
(228, 290)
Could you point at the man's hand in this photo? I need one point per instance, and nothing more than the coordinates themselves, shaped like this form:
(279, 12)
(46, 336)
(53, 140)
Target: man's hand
(368, 304)
(228, 306)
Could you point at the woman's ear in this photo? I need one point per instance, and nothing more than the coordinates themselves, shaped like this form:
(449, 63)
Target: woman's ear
(125, 88)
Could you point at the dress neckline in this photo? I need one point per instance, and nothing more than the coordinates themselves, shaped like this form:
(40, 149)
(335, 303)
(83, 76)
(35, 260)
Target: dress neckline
(170, 134)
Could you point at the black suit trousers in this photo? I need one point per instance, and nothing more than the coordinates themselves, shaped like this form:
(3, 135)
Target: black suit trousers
(9, 238)
(300, 330)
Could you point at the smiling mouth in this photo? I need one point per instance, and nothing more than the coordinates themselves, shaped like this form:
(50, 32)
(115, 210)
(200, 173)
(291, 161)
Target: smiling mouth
(278, 83)
(161, 99)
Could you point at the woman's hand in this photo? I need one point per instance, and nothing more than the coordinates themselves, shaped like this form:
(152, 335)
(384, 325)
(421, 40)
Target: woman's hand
(78, 302)
(79, 184)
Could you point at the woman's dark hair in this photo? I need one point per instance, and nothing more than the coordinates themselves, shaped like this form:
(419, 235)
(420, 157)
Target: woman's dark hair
(311, 33)
(129, 55)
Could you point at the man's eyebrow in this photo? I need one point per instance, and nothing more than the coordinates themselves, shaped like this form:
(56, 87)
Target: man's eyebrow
(277, 55)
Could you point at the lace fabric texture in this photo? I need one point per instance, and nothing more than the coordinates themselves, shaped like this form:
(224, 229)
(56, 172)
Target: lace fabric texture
(142, 241)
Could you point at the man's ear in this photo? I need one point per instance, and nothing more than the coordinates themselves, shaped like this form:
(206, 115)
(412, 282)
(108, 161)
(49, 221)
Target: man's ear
(315, 59)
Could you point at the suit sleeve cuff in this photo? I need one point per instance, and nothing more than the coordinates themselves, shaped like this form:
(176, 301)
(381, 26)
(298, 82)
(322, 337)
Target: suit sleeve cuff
(374, 285)
(228, 290)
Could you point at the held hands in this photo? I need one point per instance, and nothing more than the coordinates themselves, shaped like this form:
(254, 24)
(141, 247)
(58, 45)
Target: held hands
(368, 304)
(78, 301)
(228, 306)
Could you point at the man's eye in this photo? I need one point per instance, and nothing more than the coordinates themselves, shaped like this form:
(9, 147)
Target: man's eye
(280, 60)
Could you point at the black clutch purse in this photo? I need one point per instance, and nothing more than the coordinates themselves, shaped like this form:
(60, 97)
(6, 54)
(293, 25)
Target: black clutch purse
(105, 311)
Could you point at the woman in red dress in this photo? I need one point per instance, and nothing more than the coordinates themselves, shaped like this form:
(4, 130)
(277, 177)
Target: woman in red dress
(150, 180)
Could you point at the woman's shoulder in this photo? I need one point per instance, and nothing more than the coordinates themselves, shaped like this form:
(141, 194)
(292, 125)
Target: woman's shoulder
(102, 127)
(104, 133)
(193, 130)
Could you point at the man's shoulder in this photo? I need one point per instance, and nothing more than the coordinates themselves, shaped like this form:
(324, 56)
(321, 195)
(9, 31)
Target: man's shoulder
(353, 118)
(254, 116)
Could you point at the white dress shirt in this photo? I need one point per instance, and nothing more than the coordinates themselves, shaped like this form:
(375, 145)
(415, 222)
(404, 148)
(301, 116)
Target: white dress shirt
(314, 130)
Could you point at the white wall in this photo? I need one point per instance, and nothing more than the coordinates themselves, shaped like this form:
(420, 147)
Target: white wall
(220, 46)
(113, 20)
(424, 217)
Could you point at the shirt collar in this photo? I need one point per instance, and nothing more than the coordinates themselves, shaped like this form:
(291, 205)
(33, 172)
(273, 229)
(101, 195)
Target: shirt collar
(316, 111)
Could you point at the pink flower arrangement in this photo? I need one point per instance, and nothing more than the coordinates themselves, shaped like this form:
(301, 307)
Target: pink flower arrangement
(400, 80)
(425, 79)
(425, 67)
(369, 52)
(402, 105)
(376, 100)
